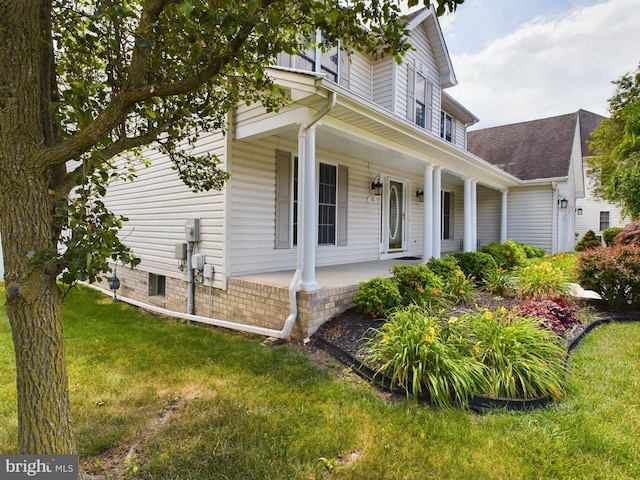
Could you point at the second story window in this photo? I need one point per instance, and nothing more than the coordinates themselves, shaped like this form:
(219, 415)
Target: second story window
(421, 100)
(446, 126)
(314, 59)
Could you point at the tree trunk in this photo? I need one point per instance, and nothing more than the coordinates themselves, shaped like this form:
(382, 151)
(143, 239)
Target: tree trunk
(34, 301)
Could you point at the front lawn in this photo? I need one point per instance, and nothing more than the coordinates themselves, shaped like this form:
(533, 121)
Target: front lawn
(206, 404)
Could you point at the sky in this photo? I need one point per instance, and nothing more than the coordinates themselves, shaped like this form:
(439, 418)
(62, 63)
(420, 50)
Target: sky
(519, 60)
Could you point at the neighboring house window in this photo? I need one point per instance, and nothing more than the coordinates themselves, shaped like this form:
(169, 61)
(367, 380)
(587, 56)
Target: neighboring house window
(446, 126)
(333, 184)
(447, 215)
(316, 60)
(157, 285)
(604, 220)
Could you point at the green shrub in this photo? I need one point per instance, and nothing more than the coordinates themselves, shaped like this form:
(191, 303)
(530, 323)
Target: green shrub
(587, 242)
(541, 280)
(507, 255)
(609, 234)
(614, 273)
(443, 267)
(427, 356)
(418, 284)
(532, 251)
(377, 296)
(478, 265)
(522, 358)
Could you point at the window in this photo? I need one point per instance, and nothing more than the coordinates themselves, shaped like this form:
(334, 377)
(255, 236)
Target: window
(314, 59)
(327, 190)
(604, 220)
(421, 100)
(446, 126)
(333, 193)
(447, 215)
(157, 285)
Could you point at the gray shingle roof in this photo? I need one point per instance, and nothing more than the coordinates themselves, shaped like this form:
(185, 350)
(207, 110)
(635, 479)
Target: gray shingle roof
(536, 149)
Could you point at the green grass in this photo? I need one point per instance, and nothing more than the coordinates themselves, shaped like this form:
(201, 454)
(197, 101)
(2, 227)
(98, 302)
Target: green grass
(267, 413)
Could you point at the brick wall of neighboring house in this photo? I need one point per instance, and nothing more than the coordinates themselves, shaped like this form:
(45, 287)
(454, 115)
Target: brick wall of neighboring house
(243, 301)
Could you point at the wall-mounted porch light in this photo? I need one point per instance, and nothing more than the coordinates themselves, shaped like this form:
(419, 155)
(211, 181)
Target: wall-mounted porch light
(376, 186)
(563, 202)
(579, 211)
(420, 194)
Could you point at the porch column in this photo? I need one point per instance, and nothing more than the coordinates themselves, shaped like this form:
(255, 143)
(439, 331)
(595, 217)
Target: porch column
(309, 212)
(468, 217)
(427, 237)
(474, 215)
(503, 217)
(437, 211)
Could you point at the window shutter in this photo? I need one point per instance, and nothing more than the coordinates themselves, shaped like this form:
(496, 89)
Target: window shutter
(345, 64)
(343, 204)
(283, 199)
(411, 92)
(429, 106)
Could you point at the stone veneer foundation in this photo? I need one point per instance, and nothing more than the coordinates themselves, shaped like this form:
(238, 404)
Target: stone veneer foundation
(243, 301)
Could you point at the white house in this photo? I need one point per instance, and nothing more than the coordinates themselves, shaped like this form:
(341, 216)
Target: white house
(596, 214)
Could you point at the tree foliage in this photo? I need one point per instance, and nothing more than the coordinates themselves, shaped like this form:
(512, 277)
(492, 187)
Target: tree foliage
(615, 166)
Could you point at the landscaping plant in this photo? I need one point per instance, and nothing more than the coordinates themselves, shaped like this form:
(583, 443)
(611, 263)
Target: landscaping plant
(418, 285)
(588, 241)
(507, 255)
(477, 265)
(522, 359)
(377, 296)
(609, 234)
(558, 314)
(614, 273)
(427, 356)
(540, 280)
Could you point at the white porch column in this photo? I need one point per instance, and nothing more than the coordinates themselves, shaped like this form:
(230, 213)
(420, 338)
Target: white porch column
(437, 211)
(309, 212)
(474, 215)
(427, 237)
(503, 217)
(468, 217)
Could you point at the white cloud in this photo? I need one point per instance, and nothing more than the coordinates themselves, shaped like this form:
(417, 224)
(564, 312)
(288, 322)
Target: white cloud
(551, 65)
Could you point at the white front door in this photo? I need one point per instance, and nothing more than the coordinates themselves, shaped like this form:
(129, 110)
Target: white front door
(394, 223)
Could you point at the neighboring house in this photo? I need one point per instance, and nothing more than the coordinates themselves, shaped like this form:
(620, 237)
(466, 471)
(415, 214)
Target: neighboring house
(547, 155)
(384, 174)
(596, 214)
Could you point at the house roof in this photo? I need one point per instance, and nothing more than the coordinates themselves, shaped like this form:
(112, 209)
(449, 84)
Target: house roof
(536, 149)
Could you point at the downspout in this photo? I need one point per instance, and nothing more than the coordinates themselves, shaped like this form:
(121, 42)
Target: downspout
(191, 287)
(293, 305)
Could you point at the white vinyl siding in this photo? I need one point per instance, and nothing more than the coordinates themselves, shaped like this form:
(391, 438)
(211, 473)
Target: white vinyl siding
(383, 86)
(360, 75)
(489, 215)
(530, 216)
(157, 204)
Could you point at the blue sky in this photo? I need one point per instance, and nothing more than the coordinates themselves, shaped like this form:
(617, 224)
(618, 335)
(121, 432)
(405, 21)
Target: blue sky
(519, 60)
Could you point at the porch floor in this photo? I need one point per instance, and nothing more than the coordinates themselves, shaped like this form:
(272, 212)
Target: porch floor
(334, 276)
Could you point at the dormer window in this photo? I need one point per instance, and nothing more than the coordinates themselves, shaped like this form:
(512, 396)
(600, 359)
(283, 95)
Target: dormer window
(446, 126)
(419, 98)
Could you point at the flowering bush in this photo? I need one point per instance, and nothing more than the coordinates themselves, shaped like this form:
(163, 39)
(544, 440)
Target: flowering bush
(614, 273)
(557, 314)
(497, 353)
(427, 355)
(541, 280)
(418, 284)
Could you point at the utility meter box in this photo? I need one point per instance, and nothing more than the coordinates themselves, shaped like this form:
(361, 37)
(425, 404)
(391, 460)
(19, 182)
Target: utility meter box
(197, 261)
(192, 230)
(181, 251)
(209, 270)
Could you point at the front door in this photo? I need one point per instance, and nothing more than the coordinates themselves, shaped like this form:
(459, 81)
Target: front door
(394, 222)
